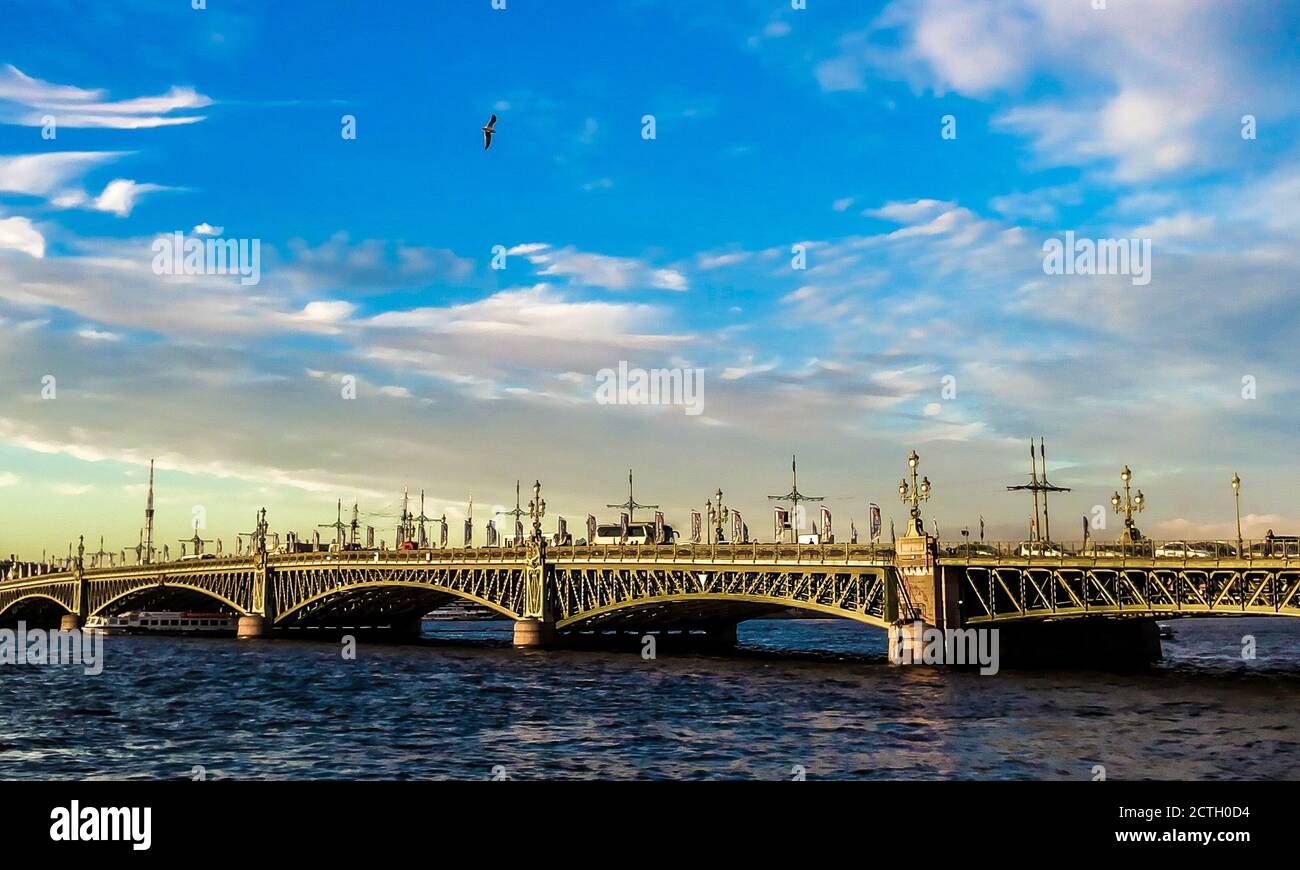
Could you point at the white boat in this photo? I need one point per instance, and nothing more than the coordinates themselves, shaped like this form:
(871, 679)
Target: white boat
(188, 622)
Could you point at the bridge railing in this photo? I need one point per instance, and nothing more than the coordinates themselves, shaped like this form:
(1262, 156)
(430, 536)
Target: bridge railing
(751, 552)
(432, 554)
(1183, 551)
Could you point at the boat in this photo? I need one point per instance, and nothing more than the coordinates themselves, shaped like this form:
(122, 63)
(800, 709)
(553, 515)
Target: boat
(168, 622)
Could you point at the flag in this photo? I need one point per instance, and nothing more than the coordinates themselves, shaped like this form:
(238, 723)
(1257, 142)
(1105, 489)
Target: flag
(1087, 530)
(561, 531)
(737, 527)
(519, 531)
(981, 528)
(370, 538)
(893, 539)
(659, 527)
(492, 533)
(623, 522)
(591, 529)
(875, 523)
(744, 532)
(853, 532)
(469, 532)
(781, 522)
(696, 523)
(828, 534)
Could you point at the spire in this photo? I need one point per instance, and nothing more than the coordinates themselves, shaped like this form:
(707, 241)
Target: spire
(148, 519)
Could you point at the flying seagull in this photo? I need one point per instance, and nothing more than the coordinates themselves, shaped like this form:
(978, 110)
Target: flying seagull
(488, 131)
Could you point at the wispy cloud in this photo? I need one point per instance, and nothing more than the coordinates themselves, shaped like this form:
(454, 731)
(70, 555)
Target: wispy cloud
(31, 102)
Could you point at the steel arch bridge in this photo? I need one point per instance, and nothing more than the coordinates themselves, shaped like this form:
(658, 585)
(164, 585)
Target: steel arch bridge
(597, 589)
(999, 591)
(667, 587)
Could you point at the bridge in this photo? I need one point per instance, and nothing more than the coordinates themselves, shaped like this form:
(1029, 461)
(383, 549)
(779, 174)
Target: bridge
(1095, 598)
(556, 594)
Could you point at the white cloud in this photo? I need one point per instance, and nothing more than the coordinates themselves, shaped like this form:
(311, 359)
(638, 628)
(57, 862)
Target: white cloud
(207, 229)
(8, 478)
(120, 195)
(98, 335)
(601, 270)
(18, 234)
(49, 174)
(1139, 89)
(333, 311)
(29, 101)
(910, 212)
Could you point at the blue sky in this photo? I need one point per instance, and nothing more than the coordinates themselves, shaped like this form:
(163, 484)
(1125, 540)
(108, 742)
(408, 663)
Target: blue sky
(775, 127)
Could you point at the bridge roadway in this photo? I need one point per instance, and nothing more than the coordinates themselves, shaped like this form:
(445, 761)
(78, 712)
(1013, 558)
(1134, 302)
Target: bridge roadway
(554, 592)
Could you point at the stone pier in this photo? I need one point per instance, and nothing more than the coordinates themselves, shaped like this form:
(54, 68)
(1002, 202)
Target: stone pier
(534, 633)
(252, 626)
(925, 595)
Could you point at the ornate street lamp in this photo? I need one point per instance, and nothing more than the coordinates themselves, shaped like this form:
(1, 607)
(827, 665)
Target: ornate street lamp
(537, 510)
(1236, 494)
(916, 493)
(1130, 504)
(717, 515)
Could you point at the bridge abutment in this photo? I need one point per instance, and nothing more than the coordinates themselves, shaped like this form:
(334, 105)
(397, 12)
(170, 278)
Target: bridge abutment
(907, 643)
(925, 598)
(69, 622)
(534, 633)
(253, 625)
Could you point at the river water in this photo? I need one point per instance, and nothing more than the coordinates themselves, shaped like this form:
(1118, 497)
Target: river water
(811, 698)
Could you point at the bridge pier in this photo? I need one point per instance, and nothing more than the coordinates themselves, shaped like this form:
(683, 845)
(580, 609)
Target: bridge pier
(534, 633)
(252, 626)
(69, 622)
(907, 642)
(924, 598)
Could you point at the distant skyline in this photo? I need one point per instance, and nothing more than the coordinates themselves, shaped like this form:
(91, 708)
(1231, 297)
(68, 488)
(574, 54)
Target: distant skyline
(840, 219)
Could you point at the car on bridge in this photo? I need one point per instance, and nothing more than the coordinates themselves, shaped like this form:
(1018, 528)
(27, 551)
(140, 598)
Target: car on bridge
(972, 551)
(1040, 548)
(1195, 550)
(637, 533)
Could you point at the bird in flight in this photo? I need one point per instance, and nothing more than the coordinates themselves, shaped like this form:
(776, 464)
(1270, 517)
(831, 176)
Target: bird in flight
(488, 131)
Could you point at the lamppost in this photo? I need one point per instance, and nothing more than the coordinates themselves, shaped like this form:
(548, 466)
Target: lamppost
(1128, 506)
(916, 493)
(537, 510)
(717, 515)
(1236, 495)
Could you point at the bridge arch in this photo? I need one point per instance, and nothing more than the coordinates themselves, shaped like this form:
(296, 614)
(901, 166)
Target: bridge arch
(30, 597)
(170, 585)
(701, 608)
(427, 597)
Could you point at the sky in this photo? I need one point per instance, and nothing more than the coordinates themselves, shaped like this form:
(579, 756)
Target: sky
(837, 213)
